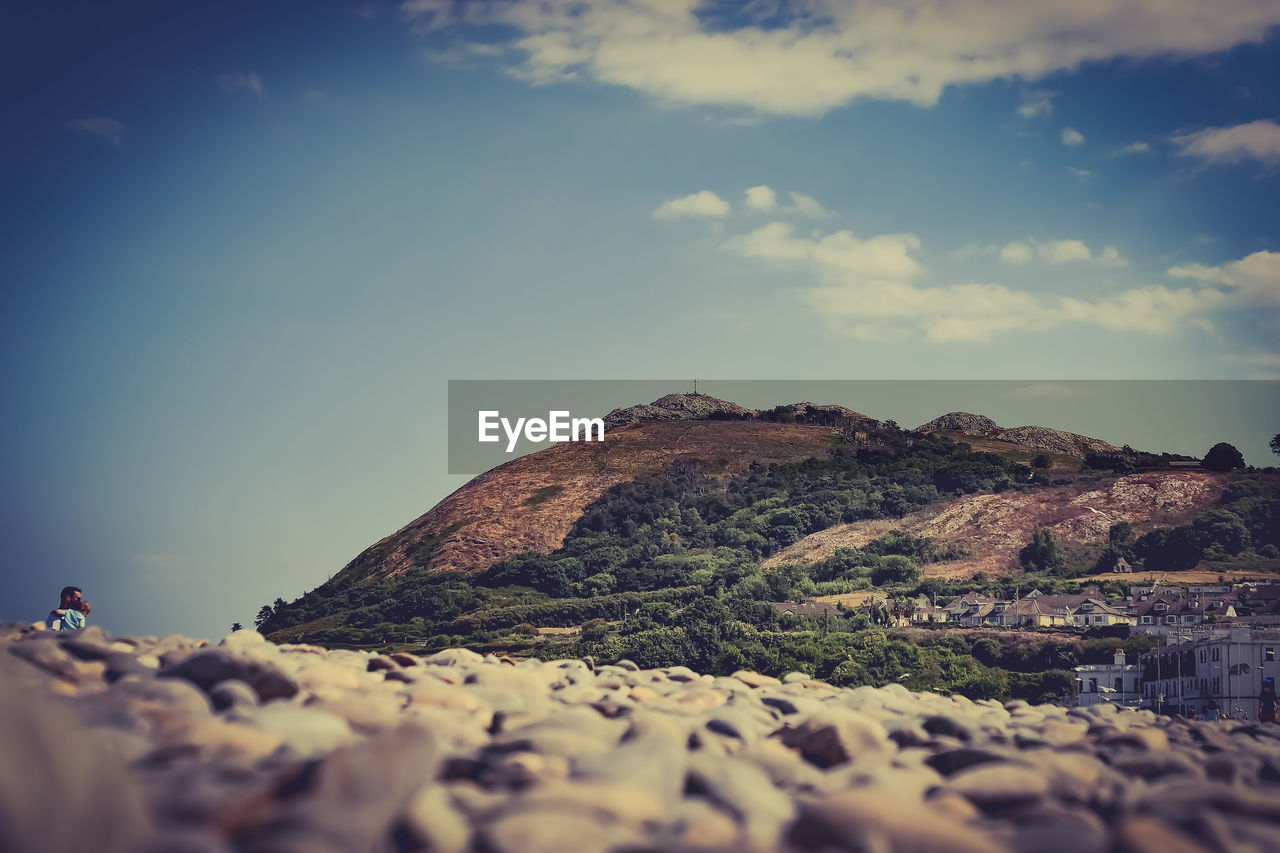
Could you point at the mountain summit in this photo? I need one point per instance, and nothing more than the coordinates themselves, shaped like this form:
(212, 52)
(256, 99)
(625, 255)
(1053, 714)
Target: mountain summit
(1030, 437)
(678, 407)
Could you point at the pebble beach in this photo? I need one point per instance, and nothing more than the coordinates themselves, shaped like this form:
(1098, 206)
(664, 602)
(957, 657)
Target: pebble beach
(173, 744)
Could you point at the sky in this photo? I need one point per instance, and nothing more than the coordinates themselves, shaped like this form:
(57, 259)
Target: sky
(246, 245)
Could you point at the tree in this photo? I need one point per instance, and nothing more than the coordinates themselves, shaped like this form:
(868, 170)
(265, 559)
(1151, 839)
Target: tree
(236, 626)
(1042, 461)
(594, 629)
(1042, 554)
(1275, 444)
(1223, 457)
(264, 614)
(895, 569)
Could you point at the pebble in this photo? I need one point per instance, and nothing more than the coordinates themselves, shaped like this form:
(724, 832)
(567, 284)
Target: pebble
(173, 744)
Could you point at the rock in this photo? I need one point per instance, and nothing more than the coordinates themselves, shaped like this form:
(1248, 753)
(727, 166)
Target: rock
(939, 724)
(550, 832)
(994, 786)
(245, 638)
(1136, 834)
(835, 737)
(232, 693)
(59, 788)
(755, 679)
(350, 800)
(863, 819)
(1056, 830)
(306, 731)
(433, 822)
(205, 669)
(744, 791)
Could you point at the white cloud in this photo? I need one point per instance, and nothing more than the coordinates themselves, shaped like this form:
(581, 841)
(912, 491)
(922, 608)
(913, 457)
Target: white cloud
(1060, 252)
(1036, 104)
(1138, 147)
(761, 198)
(804, 205)
(705, 203)
(1254, 278)
(1154, 309)
(1072, 137)
(809, 57)
(242, 81)
(888, 255)
(104, 128)
(868, 288)
(1015, 253)
(1080, 174)
(1257, 140)
(1111, 257)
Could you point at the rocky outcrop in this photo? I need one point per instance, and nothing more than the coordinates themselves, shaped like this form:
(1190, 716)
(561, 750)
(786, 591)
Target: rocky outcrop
(961, 422)
(1035, 438)
(456, 751)
(678, 407)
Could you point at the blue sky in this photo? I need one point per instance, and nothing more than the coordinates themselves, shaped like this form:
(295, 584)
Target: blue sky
(244, 247)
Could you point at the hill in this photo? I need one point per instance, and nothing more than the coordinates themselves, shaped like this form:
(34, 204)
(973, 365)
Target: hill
(995, 527)
(1033, 438)
(531, 503)
(675, 536)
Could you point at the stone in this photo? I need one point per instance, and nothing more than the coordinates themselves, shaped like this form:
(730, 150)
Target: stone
(835, 737)
(1136, 834)
(433, 821)
(205, 669)
(305, 731)
(863, 819)
(243, 639)
(549, 832)
(755, 679)
(232, 693)
(60, 789)
(993, 786)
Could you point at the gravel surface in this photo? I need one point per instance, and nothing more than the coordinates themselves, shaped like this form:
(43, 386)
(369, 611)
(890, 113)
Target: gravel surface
(172, 744)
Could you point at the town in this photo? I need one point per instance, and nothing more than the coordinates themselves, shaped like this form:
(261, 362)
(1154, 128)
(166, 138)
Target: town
(1215, 643)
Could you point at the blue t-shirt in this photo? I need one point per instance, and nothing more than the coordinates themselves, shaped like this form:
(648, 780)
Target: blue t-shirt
(72, 620)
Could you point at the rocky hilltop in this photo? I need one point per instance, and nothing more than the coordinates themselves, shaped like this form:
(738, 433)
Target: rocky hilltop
(142, 744)
(678, 407)
(531, 503)
(1030, 437)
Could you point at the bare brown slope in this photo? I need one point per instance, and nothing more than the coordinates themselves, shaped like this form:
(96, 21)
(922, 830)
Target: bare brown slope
(531, 503)
(995, 527)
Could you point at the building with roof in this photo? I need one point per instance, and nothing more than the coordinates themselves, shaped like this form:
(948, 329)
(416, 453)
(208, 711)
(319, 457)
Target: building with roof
(1117, 683)
(1211, 668)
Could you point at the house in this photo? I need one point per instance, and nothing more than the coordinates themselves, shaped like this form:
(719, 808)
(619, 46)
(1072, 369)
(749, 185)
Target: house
(1118, 683)
(1170, 610)
(968, 610)
(1209, 669)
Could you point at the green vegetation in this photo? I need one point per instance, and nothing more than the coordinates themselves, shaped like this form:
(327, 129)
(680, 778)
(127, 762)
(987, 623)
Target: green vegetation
(1223, 457)
(1246, 521)
(667, 570)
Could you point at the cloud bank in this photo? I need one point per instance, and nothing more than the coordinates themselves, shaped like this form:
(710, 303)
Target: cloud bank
(1256, 140)
(806, 57)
